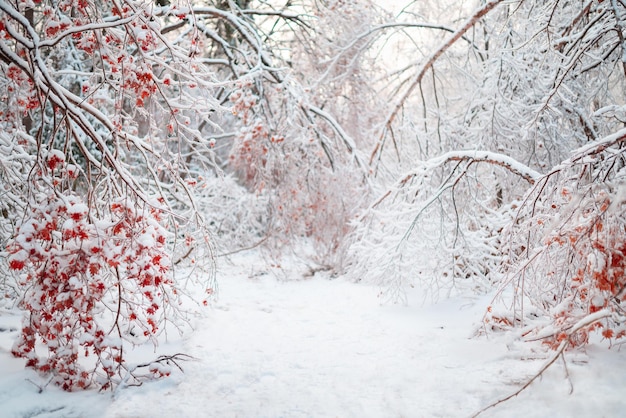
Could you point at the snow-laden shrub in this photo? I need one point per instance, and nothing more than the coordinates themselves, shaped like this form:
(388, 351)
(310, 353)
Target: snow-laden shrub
(93, 283)
(439, 228)
(565, 258)
(302, 168)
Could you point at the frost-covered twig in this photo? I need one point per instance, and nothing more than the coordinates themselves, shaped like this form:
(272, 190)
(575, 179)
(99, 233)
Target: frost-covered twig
(469, 23)
(472, 156)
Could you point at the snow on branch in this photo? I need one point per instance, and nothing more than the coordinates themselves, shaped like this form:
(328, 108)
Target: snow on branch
(347, 140)
(501, 160)
(592, 148)
(380, 28)
(472, 156)
(478, 14)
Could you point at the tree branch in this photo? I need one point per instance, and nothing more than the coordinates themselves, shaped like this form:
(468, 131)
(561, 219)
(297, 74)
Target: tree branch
(478, 14)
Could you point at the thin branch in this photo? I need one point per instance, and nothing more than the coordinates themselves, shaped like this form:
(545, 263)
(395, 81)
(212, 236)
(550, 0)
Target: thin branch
(478, 14)
(489, 157)
(239, 250)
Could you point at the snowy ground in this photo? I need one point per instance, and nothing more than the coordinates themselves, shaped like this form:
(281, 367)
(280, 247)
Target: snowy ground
(323, 347)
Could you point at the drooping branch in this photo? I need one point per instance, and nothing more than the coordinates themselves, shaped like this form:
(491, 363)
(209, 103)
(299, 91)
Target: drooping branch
(494, 158)
(478, 14)
(504, 161)
(347, 140)
(369, 33)
(591, 149)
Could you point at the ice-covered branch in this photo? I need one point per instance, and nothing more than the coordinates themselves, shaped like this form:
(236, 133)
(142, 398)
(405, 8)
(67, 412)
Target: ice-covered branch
(369, 33)
(472, 156)
(469, 23)
(489, 157)
(591, 149)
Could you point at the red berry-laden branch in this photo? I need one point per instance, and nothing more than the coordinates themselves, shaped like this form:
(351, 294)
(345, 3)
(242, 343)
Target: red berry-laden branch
(94, 282)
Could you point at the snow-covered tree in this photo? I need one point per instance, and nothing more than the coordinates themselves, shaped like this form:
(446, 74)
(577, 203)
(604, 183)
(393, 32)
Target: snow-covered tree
(513, 131)
(565, 251)
(100, 151)
(123, 124)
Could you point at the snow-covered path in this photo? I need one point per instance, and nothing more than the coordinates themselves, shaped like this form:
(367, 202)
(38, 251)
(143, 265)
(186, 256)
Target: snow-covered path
(320, 348)
(326, 348)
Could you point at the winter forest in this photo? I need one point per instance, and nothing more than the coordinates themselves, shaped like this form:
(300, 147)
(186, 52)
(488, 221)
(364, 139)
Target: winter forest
(170, 167)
